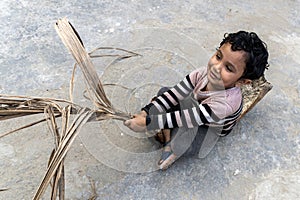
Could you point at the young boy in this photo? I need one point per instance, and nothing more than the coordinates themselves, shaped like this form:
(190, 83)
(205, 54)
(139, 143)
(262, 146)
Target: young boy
(207, 98)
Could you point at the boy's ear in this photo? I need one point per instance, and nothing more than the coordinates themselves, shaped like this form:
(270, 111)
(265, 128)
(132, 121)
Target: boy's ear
(243, 81)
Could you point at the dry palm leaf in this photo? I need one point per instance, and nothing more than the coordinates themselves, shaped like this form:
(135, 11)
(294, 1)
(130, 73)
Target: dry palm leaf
(64, 145)
(19, 106)
(64, 139)
(95, 53)
(58, 177)
(104, 110)
(74, 44)
(93, 187)
(95, 88)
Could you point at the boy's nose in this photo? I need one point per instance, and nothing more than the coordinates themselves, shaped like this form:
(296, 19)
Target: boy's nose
(218, 67)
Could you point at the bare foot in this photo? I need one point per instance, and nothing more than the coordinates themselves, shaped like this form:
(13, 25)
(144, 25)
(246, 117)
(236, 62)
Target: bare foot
(168, 162)
(167, 151)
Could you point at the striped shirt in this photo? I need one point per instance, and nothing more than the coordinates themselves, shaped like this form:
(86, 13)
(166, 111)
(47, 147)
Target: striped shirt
(213, 108)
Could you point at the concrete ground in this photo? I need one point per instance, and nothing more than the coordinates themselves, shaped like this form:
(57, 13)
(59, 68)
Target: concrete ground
(259, 160)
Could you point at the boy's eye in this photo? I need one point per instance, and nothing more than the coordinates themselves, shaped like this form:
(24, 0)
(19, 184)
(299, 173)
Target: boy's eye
(229, 68)
(218, 54)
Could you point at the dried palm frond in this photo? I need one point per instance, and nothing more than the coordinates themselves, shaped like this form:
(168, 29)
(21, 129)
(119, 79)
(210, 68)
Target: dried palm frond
(19, 106)
(93, 187)
(95, 53)
(74, 44)
(64, 141)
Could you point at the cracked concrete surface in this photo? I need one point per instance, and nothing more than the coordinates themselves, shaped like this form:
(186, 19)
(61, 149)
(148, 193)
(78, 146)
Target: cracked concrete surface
(258, 160)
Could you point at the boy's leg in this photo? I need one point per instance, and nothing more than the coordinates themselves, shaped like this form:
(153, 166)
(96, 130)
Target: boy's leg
(167, 151)
(197, 142)
(204, 141)
(167, 135)
(182, 139)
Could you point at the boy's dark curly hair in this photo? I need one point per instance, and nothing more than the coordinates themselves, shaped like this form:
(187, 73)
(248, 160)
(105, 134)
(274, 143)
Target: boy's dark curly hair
(257, 54)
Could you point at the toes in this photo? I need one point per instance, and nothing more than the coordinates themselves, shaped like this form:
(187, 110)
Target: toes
(168, 162)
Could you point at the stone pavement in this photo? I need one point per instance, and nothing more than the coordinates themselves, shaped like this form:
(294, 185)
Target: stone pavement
(258, 160)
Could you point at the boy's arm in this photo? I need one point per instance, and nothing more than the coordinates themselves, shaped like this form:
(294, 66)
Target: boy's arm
(222, 109)
(170, 98)
(161, 104)
(191, 117)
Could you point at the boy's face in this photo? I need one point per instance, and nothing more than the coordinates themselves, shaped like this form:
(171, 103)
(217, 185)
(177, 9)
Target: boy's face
(225, 68)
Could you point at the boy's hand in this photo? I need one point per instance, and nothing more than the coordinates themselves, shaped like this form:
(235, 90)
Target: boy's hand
(137, 123)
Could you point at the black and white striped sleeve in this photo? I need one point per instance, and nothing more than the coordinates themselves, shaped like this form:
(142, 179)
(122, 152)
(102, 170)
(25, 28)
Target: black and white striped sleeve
(170, 98)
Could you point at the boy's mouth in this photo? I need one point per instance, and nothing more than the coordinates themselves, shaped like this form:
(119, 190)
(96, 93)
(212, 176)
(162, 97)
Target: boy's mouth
(214, 75)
